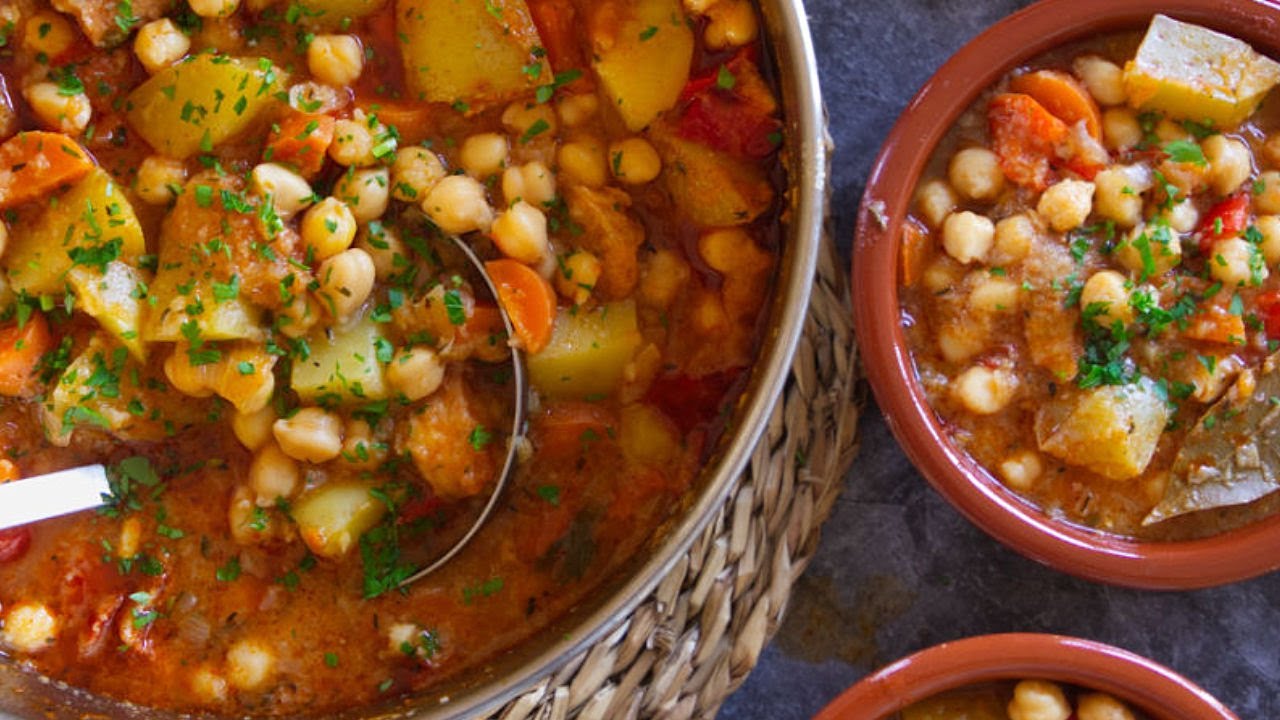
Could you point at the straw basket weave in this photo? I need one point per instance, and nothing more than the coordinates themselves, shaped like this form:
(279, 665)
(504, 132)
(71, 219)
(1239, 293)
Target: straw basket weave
(697, 636)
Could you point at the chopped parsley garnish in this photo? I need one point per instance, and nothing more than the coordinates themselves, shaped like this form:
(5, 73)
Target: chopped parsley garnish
(1185, 151)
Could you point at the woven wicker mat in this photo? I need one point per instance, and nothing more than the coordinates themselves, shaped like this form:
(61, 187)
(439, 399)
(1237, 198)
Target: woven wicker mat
(698, 635)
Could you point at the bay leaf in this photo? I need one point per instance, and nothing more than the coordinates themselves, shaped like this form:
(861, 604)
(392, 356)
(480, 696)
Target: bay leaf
(1232, 454)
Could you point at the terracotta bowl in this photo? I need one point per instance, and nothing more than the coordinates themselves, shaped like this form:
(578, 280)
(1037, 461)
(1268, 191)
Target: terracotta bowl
(1228, 557)
(1158, 691)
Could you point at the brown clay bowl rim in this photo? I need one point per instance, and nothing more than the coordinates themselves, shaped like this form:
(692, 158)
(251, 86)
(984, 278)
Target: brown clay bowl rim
(1227, 557)
(1160, 692)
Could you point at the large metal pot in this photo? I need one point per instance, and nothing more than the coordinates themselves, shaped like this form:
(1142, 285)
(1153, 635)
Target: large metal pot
(485, 689)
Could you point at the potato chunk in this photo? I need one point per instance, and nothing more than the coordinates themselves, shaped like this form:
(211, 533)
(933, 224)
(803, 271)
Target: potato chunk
(1111, 430)
(476, 52)
(642, 54)
(1197, 74)
(201, 102)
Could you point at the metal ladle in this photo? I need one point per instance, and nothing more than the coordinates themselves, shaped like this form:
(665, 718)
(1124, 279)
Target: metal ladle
(77, 489)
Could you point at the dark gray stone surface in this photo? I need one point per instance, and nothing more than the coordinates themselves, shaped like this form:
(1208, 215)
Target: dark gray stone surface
(898, 569)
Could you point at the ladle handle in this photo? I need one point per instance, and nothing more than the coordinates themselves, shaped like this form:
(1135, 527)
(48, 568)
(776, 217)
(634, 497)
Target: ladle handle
(47, 496)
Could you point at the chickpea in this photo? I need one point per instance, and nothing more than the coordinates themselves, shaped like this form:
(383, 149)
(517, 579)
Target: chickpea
(1183, 216)
(193, 380)
(30, 627)
(1236, 262)
(352, 144)
(253, 430)
(967, 236)
(289, 191)
(994, 295)
(457, 205)
(160, 179)
(359, 447)
(1107, 289)
(583, 161)
(1230, 163)
(1119, 193)
(665, 274)
(521, 233)
(328, 228)
(1013, 239)
(1120, 129)
(983, 390)
(67, 113)
(336, 60)
(532, 182)
(732, 24)
(975, 172)
(634, 161)
(299, 315)
(522, 115)
(317, 98)
(1140, 246)
(130, 537)
(346, 280)
(1065, 206)
(484, 154)
(579, 275)
(366, 192)
(1102, 78)
(311, 435)
(936, 200)
(1269, 226)
(1100, 706)
(416, 372)
(49, 33)
(273, 475)
(1020, 470)
(208, 685)
(1038, 700)
(960, 342)
(213, 8)
(415, 171)
(250, 665)
(941, 274)
(384, 246)
(1266, 198)
(1169, 131)
(575, 110)
(159, 44)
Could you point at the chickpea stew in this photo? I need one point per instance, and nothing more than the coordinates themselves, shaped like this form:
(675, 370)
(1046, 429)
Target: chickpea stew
(228, 275)
(1087, 282)
(1021, 700)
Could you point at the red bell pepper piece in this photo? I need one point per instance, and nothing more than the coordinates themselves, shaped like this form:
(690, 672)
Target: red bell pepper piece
(14, 543)
(1225, 220)
(730, 109)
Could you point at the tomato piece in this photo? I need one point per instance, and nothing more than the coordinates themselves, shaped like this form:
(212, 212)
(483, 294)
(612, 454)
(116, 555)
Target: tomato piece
(14, 543)
(1268, 304)
(1025, 136)
(731, 109)
(1225, 220)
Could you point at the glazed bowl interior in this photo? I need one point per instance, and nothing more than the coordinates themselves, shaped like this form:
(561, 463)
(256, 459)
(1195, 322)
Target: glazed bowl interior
(1227, 557)
(1143, 684)
(485, 689)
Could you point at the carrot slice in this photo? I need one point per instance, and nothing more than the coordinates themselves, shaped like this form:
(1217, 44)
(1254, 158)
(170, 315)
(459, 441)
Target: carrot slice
(301, 140)
(33, 164)
(915, 252)
(1025, 136)
(21, 347)
(528, 300)
(1216, 324)
(1063, 96)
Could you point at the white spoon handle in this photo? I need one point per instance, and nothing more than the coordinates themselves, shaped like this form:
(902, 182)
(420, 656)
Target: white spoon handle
(47, 496)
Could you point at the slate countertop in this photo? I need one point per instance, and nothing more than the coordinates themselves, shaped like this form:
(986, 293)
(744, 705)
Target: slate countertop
(898, 569)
